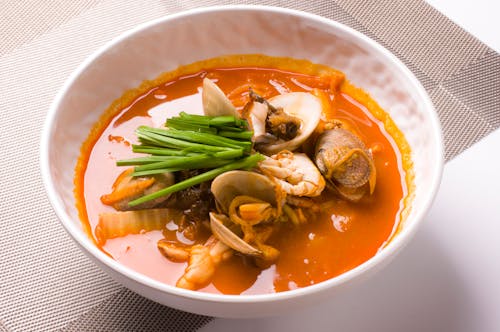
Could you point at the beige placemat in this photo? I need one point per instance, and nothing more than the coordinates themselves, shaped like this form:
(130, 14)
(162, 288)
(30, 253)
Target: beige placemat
(46, 283)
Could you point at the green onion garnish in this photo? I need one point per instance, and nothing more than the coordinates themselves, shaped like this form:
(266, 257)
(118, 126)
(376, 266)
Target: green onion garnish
(215, 143)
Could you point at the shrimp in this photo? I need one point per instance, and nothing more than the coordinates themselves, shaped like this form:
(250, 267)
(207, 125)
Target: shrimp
(295, 172)
(203, 261)
(127, 188)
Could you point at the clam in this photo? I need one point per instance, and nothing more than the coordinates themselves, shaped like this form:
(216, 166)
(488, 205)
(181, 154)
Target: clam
(231, 184)
(230, 239)
(215, 102)
(300, 109)
(257, 118)
(245, 200)
(345, 162)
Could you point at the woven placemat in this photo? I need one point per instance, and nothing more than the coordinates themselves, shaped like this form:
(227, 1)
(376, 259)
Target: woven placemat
(46, 283)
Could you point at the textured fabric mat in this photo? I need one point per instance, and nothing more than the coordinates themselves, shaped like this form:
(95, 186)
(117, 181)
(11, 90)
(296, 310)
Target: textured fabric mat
(46, 283)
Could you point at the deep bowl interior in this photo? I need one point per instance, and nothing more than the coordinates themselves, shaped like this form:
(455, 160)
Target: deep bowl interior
(167, 43)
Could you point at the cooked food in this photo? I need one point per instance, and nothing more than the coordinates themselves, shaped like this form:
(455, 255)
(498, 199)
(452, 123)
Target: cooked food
(345, 162)
(284, 122)
(243, 175)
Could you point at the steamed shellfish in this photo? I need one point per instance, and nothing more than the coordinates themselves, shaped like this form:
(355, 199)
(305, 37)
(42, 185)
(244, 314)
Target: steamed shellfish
(246, 202)
(345, 163)
(283, 122)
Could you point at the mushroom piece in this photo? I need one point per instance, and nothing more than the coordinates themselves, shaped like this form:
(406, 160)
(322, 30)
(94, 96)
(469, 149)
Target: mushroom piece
(289, 119)
(345, 163)
(215, 102)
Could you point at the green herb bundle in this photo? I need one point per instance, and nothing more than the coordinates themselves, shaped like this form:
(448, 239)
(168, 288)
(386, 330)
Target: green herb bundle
(218, 144)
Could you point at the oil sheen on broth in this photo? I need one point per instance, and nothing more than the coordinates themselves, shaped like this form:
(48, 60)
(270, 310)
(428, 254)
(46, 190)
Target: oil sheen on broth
(341, 237)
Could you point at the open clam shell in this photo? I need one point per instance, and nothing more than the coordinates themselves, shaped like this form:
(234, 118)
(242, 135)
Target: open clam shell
(215, 102)
(228, 185)
(230, 239)
(301, 105)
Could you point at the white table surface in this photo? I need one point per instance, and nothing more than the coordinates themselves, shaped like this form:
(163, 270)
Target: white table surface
(448, 278)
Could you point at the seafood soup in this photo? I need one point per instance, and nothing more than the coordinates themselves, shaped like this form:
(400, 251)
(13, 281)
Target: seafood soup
(244, 174)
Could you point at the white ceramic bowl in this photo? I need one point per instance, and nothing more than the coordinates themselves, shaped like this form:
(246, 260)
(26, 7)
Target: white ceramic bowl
(163, 45)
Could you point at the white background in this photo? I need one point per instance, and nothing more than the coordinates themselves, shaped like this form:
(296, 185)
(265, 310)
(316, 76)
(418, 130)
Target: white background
(448, 278)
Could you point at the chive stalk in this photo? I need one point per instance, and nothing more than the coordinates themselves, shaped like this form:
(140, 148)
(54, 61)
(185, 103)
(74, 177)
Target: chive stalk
(200, 138)
(189, 160)
(146, 134)
(244, 163)
(215, 143)
(158, 151)
(244, 135)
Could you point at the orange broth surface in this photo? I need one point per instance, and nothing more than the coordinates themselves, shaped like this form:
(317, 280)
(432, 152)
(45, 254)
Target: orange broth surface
(339, 239)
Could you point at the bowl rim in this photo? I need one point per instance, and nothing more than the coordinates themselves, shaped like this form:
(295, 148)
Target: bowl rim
(91, 249)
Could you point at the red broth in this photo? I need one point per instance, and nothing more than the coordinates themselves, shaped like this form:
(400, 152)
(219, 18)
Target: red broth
(338, 240)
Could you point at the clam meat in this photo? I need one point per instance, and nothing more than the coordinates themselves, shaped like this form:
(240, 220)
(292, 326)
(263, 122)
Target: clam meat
(247, 202)
(283, 122)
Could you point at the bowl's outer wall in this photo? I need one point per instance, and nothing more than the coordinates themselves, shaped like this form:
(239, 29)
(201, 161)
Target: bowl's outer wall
(161, 46)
